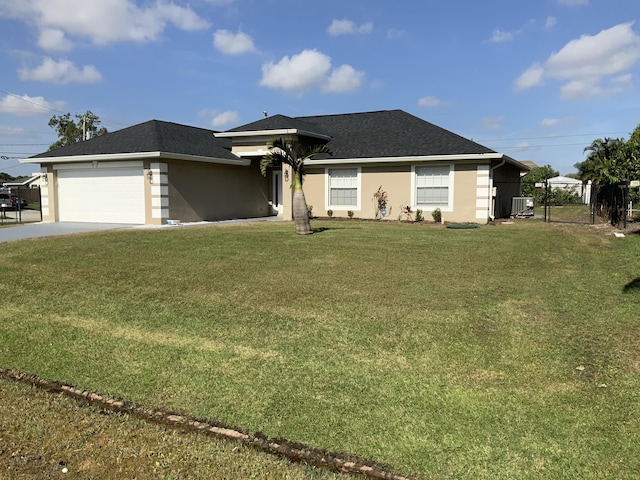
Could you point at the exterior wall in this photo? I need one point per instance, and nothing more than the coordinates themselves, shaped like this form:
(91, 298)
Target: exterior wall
(471, 202)
(187, 191)
(48, 195)
(469, 183)
(156, 193)
(394, 179)
(506, 180)
(209, 192)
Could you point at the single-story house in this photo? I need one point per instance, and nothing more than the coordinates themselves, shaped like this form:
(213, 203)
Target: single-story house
(156, 171)
(34, 181)
(571, 185)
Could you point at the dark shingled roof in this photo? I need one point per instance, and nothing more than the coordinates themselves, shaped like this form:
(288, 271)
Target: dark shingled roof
(151, 136)
(388, 133)
(280, 122)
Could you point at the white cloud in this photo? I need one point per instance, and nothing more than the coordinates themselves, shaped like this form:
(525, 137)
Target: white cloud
(395, 33)
(231, 43)
(225, 118)
(308, 69)
(573, 3)
(344, 79)
(522, 146)
(102, 22)
(429, 102)
(54, 39)
(300, 72)
(26, 106)
(550, 22)
(61, 72)
(499, 36)
(15, 132)
(347, 27)
(531, 77)
(550, 122)
(584, 64)
(492, 123)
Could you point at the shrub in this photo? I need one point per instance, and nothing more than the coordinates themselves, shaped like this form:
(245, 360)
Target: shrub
(350, 213)
(330, 213)
(310, 211)
(381, 202)
(419, 216)
(437, 215)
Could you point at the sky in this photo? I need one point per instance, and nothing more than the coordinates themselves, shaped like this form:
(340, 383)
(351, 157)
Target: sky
(536, 80)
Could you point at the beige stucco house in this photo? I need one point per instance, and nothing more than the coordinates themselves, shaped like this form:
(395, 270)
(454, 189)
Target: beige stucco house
(416, 163)
(157, 171)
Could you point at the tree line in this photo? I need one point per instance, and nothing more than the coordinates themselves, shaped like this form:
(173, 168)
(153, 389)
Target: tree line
(610, 161)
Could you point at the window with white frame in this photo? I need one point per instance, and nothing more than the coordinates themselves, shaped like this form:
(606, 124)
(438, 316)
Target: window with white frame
(343, 187)
(432, 186)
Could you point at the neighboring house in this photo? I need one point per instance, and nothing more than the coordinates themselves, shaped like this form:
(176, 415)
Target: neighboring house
(34, 181)
(28, 188)
(528, 163)
(571, 185)
(156, 171)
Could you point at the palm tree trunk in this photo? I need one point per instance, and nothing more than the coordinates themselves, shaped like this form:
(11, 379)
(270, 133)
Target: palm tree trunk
(299, 204)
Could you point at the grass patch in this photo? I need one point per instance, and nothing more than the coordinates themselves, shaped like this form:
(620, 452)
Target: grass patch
(507, 351)
(59, 433)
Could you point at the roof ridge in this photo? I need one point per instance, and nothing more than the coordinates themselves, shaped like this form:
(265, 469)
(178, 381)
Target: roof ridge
(350, 113)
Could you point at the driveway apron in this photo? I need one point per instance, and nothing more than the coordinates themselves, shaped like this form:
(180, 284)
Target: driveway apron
(35, 230)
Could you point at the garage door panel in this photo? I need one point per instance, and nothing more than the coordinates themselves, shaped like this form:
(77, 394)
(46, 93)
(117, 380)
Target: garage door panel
(101, 195)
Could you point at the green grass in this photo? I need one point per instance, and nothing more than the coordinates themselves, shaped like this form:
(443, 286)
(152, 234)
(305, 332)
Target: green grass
(58, 433)
(502, 352)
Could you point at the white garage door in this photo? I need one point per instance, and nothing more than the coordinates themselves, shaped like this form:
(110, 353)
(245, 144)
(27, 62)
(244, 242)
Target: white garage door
(110, 195)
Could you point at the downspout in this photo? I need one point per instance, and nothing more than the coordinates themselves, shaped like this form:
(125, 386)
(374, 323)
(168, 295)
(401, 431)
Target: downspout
(492, 216)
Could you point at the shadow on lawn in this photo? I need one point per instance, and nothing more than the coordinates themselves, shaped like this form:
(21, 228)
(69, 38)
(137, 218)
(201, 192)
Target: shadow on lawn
(633, 286)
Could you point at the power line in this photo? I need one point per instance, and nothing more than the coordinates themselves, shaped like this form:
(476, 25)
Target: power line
(19, 153)
(549, 137)
(52, 109)
(22, 144)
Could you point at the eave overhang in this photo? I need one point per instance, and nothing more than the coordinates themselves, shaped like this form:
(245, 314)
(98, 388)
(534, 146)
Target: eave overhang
(273, 133)
(418, 158)
(137, 156)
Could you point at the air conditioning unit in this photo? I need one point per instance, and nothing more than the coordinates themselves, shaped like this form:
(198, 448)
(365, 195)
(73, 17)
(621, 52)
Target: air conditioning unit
(522, 207)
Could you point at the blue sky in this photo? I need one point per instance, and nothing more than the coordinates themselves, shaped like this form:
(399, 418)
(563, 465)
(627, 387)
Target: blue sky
(534, 79)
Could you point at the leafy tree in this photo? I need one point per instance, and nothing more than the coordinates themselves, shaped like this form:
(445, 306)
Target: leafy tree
(535, 175)
(70, 131)
(293, 153)
(633, 154)
(5, 177)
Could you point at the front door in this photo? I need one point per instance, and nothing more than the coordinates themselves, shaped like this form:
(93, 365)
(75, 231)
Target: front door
(276, 192)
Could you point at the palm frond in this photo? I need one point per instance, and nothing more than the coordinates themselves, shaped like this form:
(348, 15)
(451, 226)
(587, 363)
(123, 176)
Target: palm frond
(290, 152)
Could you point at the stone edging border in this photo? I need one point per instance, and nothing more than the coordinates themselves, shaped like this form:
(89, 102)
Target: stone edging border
(294, 452)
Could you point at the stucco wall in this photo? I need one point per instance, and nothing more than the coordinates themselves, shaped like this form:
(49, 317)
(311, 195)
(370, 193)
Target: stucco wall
(396, 180)
(202, 191)
(465, 196)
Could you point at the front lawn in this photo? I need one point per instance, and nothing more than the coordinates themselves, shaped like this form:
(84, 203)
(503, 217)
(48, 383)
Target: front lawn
(508, 351)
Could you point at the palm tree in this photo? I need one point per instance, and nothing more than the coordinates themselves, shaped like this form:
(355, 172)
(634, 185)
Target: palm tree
(293, 153)
(605, 161)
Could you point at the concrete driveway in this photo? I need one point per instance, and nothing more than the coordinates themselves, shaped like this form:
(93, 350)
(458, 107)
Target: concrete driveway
(48, 229)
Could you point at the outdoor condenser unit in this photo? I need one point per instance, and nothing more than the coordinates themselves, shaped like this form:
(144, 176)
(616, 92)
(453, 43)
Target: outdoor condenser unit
(522, 207)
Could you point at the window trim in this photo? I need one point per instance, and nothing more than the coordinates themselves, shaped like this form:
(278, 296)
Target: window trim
(414, 188)
(327, 190)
